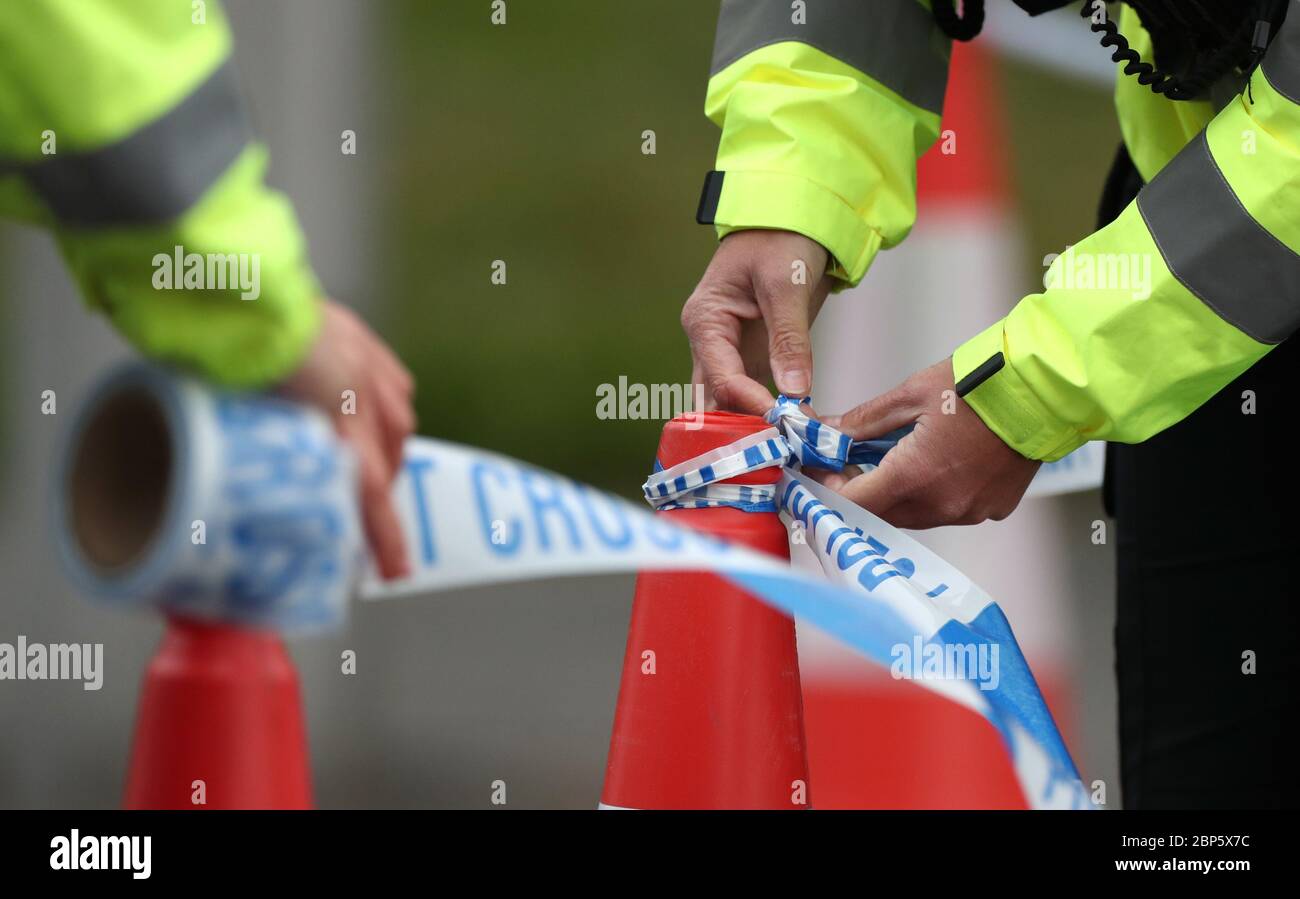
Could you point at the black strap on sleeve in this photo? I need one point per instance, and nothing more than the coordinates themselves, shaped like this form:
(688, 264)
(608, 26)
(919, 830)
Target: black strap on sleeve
(709, 197)
(981, 373)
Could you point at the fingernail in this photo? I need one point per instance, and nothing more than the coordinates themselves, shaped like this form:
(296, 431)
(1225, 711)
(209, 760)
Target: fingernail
(794, 382)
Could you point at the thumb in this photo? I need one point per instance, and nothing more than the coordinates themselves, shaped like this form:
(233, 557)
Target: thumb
(786, 314)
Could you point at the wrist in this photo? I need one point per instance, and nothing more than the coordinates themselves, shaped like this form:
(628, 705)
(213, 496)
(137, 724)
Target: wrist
(737, 201)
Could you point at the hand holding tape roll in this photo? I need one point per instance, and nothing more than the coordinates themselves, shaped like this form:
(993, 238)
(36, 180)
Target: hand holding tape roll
(243, 508)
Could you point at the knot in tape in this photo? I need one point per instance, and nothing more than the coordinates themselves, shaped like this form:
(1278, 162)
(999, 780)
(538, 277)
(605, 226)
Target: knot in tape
(818, 445)
(796, 439)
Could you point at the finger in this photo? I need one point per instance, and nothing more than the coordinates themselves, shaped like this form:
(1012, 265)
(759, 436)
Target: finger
(878, 416)
(878, 491)
(754, 350)
(398, 420)
(698, 388)
(393, 367)
(724, 374)
(367, 426)
(835, 480)
(379, 354)
(913, 516)
(379, 516)
(819, 297)
(785, 312)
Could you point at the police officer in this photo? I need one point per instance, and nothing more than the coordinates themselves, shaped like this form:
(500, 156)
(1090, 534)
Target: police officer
(824, 111)
(122, 131)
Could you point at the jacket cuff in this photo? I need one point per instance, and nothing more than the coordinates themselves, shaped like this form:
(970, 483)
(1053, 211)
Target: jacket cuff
(776, 200)
(1007, 404)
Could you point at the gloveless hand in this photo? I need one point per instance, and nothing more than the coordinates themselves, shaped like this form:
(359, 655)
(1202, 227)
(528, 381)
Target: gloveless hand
(748, 318)
(348, 356)
(950, 470)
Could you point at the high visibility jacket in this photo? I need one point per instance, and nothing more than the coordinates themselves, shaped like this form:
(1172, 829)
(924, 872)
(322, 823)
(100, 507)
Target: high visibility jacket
(824, 117)
(121, 129)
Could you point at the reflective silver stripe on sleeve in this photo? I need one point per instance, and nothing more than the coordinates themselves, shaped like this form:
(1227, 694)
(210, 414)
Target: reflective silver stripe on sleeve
(155, 174)
(1282, 62)
(894, 41)
(1217, 250)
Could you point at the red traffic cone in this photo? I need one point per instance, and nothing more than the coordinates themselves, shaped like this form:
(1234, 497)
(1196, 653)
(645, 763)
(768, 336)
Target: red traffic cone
(709, 710)
(220, 723)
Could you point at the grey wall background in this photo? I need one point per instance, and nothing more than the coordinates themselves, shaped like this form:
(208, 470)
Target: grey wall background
(453, 692)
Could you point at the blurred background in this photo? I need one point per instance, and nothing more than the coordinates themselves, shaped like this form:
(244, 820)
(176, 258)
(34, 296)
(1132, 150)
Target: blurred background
(523, 143)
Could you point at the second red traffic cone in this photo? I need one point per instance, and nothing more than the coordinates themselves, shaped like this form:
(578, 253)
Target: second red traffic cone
(220, 723)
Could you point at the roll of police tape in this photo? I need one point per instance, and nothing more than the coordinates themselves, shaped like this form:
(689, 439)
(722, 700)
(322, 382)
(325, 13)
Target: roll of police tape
(222, 506)
(277, 494)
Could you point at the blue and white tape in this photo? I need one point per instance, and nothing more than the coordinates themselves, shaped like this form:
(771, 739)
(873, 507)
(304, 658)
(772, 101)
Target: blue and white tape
(796, 439)
(478, 518)
(815, 445)
(934, 612)
(694, 484)
(278, 494)
(259, 521)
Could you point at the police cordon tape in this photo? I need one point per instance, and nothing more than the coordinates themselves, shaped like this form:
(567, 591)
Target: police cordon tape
(228, 507)
(243, 509)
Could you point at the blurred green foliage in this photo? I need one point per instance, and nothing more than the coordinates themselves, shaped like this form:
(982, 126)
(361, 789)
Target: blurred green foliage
(8, 367)
(522, 142)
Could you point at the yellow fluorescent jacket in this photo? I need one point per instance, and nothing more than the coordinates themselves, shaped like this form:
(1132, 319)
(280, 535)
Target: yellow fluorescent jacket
(822, 123)
(121, 129)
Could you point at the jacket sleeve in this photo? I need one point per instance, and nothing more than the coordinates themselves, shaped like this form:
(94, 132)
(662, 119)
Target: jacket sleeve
(1148, 318)
(123, 132)
(825, 108)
